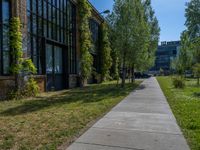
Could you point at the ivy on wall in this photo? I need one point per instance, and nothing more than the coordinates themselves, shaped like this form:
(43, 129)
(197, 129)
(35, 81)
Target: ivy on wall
(16, 45)
(86, 59)
(105, 49)
(20, 66)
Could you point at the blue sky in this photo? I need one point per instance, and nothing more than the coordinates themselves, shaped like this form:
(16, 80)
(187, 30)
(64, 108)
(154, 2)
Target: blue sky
(170, 14)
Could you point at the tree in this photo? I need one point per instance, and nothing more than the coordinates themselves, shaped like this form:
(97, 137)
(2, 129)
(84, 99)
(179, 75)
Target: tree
(138, 56)
(130, 32)
(154, 28)
(184, 59)
(86, 59)
(106, 60)
(196, 49)
(193, 25)
(193, 18)
(196, 70)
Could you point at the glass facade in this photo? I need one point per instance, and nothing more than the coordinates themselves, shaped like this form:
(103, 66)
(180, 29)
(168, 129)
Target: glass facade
(51, 21)
(50, 40)
(95, 30)
(4, 34)
(165, 54)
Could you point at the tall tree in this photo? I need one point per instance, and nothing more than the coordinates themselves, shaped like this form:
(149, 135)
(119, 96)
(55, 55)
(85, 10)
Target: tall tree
(193, 24)
(193, 18)
(86, 59)
(154, 30)
(185, 54)
(130, 32)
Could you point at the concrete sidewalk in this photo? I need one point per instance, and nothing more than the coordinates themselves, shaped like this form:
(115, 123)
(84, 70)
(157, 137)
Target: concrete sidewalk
(142, 121)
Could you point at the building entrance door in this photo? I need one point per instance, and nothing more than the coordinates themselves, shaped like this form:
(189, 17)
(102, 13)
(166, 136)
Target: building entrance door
(54, 67)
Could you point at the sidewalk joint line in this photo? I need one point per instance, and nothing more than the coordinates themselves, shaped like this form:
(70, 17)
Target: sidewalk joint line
(139, 130)
(129, 148)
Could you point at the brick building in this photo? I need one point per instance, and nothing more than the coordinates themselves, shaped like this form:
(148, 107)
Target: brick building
(50, 39)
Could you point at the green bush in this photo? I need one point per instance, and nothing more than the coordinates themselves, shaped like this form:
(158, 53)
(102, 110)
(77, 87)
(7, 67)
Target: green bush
(178, 82)
(30, 89)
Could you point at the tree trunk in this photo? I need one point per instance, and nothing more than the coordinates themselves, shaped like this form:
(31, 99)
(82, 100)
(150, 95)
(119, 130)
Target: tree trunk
(198, 81)
(133, 74)
(17, 82)
(82, 82)
(123, 76)
(129, 74)
(123, 71)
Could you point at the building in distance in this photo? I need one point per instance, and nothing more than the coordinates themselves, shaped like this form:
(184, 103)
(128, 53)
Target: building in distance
(165, 54)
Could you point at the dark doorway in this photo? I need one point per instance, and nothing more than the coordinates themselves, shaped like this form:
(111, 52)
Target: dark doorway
(55, 68)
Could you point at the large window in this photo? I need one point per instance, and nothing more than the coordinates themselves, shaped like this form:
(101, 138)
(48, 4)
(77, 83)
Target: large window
(4, 34)
(51, 20)
(94, 27)
(95, 30)
(71, 36)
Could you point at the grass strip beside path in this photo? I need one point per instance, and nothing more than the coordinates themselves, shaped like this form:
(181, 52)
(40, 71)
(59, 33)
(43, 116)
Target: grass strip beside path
(51, 119)
(185, 104)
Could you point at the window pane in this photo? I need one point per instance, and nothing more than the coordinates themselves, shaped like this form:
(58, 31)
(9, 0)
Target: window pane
(58, 60)
(5, 10)
(49, 60)
(6, 62)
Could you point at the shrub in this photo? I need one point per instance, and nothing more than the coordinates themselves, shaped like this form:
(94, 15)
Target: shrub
(178, 82)
(30, 89)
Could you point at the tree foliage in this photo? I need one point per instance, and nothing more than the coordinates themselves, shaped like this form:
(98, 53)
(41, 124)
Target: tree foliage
(86, 59)
(193, 26)
(154, 31)
(135, 34)
(196, 70)
(184, 60)
(193, 18)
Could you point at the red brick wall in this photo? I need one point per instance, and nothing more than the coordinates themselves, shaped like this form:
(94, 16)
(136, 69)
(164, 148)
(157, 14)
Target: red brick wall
(6, 85)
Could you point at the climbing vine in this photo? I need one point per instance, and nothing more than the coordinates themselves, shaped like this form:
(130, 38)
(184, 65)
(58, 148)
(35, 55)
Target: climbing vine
(16, 45)
(106, 60)
(86, 59)
(20, 66)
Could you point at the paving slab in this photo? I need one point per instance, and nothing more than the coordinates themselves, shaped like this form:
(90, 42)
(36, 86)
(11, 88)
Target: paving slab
(142, 121)
(134, 139)
(84, 146)
(162, 124)
(143, 108)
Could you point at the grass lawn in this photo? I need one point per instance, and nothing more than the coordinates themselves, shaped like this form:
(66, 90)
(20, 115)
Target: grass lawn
(51, 119)
(185, 104)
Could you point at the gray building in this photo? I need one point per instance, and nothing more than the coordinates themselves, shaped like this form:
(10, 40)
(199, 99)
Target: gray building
(165, 54)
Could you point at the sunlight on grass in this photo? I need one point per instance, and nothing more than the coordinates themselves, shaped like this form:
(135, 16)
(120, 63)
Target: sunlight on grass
(52, 118)
(185, 104)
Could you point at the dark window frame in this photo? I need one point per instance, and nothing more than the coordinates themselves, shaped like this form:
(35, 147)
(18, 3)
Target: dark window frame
(56, 29)
(2, 25)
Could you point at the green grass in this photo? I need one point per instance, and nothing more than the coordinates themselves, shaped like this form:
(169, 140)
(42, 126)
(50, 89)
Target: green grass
(52, 119)
(185, 104)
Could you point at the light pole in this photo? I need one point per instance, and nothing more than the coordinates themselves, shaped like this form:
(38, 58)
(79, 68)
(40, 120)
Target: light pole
(105, 12)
